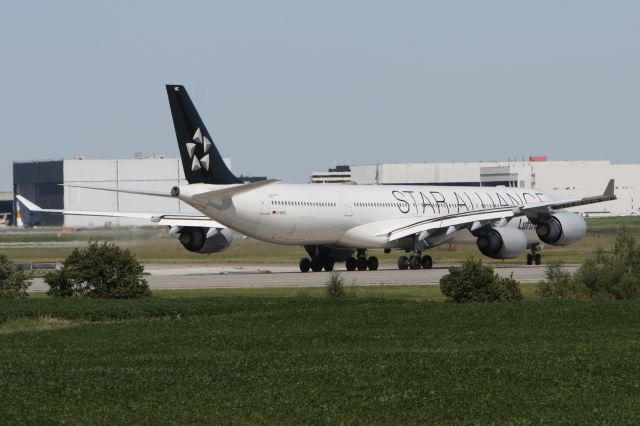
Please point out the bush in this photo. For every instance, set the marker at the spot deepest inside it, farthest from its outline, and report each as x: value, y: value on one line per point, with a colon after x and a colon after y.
x: 475, y: 282
x: 13, y: 280
x: 560, y: 284
x: 101, y: 271
x: 603, y: 275
x: 614, y: 274
x: 335, y: 285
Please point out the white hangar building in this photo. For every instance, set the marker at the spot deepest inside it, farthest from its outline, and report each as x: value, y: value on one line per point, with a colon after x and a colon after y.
x: 40, y: 182
x: 560, y: 179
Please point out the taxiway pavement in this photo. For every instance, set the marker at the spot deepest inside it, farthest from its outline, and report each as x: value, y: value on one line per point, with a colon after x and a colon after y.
x: 165, y: 277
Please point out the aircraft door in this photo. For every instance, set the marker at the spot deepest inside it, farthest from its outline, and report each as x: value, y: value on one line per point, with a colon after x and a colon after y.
x: 348, y: 207
x: 265, y: 204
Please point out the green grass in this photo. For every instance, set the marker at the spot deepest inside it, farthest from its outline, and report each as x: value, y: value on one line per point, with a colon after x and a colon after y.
x: 245, y: 357
x: 168, y: 250
x: 422, y: 293
x: 153, y: 245
x: 611, y: 224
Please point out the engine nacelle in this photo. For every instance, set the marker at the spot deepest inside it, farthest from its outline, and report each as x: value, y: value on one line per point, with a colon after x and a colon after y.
x: 195, y: 239
x: 562, y: 228
x: 502, y: 243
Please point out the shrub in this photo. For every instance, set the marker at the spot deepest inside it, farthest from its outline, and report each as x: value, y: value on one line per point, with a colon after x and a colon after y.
x: 560, y: 284
x: 101, y: 271
x: 335, y: 285
x: 59, y: 284
x: 603, y: 275
x: 13, y: 280
x: 475, y: 282
x: 614, y: 274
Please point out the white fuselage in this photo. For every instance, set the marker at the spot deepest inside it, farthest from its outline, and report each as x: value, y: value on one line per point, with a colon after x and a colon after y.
x: 339, y: 215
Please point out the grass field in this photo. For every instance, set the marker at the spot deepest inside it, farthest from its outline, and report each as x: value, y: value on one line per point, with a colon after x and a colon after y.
x: 278, y: 356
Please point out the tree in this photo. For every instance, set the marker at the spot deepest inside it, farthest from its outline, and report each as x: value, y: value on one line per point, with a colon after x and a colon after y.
x: 475, y: 282
x: 13, y: 280
x: 101, y: 271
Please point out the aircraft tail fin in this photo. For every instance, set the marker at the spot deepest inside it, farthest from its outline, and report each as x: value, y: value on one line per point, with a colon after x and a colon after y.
x: 201, y: 161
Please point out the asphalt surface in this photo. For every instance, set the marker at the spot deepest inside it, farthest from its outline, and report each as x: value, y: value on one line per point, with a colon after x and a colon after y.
x: 271, y: 276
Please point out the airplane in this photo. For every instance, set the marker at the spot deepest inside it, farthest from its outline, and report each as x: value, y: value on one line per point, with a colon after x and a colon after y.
x: 341, y: 223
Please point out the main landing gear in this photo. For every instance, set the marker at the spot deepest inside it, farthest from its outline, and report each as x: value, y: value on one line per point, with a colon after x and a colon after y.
x: 316, y: 264
x: 322, y: 258
x: 362, y: 262
x: 415, y: 262
x: 534, y: 256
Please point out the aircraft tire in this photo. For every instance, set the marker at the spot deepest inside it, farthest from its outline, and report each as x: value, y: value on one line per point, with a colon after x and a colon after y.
x: 529, y: 259
x: 537, y: 259
x: 305, y: 264
x: 316, y: 264
x: 328, y: 264
x: 362, y: 263
x: 403, y: 262
x: 351, y: 263
x: 415, y: 262
x: 372, y: 263
x: 427, y: 262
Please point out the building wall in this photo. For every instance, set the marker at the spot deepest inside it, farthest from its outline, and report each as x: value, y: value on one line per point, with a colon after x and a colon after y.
x: 40, y: 182
x: 417, y: 173
x: 6, y: 207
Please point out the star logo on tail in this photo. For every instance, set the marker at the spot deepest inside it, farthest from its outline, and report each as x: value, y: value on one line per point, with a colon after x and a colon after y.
x: 203, y: 162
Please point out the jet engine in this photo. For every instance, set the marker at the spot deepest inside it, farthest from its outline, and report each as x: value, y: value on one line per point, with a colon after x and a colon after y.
x: 502, y: 243
x: 562, y: 228
x: 205, y: 240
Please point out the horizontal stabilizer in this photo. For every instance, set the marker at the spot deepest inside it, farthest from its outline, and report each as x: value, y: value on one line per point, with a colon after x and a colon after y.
x: 232, y: 190
x: 122, y: 190
x: 160, y: 219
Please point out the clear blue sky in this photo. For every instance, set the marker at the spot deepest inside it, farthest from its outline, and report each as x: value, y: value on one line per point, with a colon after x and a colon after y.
x: 290, y: 87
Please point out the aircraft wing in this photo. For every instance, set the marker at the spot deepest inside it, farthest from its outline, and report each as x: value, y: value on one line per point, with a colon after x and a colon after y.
x: 533, y: 210
x: 160, y: 219
x: 452, y: 222
x: 477, y: 219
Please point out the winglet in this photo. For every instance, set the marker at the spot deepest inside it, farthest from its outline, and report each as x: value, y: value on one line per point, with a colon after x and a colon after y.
x: 28, y: 204
x: 609, y: 190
